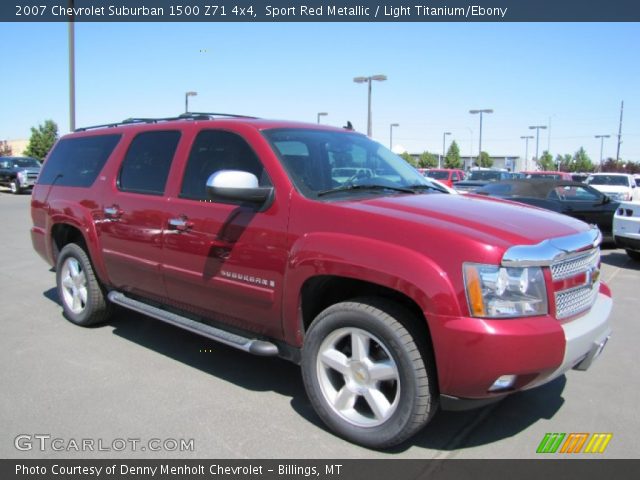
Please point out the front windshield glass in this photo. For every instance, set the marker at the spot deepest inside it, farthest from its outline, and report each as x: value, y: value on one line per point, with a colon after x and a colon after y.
x: 342, y: 163
x: 617, y: 180
x: 25, y: 162
x: 438, y: 174
x: 484, y: 175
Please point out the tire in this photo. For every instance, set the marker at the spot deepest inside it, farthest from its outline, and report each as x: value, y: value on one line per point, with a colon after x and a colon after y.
x: 367, y: 377
x: 15, y: 187
x: 634, y: 255
x: 83, y: 299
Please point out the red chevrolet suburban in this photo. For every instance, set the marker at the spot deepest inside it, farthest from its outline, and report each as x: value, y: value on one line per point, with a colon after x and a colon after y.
x: 394, y: 297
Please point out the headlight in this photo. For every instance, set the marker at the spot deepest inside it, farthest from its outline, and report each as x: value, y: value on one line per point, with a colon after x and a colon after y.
x: 22, y: 175
x: 499, y: 292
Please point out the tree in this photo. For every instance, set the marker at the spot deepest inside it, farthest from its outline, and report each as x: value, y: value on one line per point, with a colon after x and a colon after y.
x: 409, y: 159
x: 566, y: 162
x: 5, y: 149
x: 452, y: 160
x: 582, y: 162
x: 485, y: 160
x: 545, y: 162
x: 42, y: 139
x: 427, y: 160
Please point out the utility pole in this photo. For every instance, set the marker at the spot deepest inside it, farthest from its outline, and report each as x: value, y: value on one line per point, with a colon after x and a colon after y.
x: 619, y: 132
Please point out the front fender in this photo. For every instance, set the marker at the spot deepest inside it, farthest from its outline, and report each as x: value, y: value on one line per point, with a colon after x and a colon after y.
x: 392, y: 266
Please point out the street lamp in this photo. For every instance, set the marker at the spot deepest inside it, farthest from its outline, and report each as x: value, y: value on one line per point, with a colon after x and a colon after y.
x: 379, y: 78
x: 321, y: 114
x: 444, y: 135
x: 537, y: 129
x: 186, y: 100
x: 526, y: 151
x: 473, y: 112
x: 391, y: 134
x: 601, y: 137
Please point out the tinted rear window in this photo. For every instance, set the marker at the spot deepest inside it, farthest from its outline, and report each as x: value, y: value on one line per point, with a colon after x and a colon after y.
x: 76, y: 162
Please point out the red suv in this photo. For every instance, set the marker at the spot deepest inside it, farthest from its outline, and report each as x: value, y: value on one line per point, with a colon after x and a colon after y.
x: 446, y: 175
x: 393, y: 296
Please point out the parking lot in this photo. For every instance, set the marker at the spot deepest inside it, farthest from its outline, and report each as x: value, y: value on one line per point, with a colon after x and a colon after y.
x: 135, y: 378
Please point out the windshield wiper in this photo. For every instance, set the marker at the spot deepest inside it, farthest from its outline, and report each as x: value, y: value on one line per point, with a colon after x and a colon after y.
x: 345, y: 188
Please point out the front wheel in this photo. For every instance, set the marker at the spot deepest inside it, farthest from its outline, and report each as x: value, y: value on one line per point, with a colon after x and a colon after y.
x: 15, y: 187
x: 367, y: 377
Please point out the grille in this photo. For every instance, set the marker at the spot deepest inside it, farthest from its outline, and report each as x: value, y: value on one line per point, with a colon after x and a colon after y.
x: 574, y: 266
x: 576, y: 300
x: 571, y: 302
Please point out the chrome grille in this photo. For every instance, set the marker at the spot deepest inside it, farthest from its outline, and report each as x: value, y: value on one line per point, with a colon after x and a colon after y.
x: 578, y: 299
x: 575, y: 265
x: 571, y: 302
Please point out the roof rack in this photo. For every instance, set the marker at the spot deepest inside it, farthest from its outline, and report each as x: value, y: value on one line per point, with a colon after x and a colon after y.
x: 183, y: 116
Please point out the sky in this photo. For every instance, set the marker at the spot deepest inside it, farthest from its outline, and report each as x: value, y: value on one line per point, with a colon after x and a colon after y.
x: 570, y: 77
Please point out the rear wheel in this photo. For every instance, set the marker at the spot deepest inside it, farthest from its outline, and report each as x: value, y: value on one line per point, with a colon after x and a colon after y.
x: 365, y: 373
x: 83, y: 300
x: 634, y: 255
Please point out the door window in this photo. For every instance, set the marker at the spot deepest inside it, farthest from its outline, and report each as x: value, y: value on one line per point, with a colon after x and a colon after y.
x: 215, y: 150
x: 145, y: 168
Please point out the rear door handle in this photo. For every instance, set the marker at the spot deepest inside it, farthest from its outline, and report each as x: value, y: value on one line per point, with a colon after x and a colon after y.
x: 113, y: 212
x: 180, y: 224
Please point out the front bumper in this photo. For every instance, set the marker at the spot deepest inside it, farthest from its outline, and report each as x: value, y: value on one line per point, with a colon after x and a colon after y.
x: 471, y: 354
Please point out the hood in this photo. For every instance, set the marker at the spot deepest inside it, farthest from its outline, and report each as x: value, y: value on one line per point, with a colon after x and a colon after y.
x: 612, y: 188
x: 490, y: 221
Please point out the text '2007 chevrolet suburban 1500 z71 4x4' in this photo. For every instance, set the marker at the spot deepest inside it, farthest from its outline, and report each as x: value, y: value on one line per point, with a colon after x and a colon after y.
x: 394, y: 297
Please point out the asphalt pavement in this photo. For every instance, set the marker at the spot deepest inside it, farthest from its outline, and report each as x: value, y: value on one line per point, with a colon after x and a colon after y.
x: 137, y: 388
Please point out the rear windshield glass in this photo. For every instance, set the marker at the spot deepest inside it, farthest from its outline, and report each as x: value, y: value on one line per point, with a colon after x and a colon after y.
x: 76, y: 162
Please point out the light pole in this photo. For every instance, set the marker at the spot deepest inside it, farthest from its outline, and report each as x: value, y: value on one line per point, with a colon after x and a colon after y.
x: 321, y: 114
x: 72, y: 69
x: 601, y: 137
x: 526, y: 151
x: 391, y: 134
x: 473, y: 112
x: 444, y: 135
x: 379, y: 78
x: 186, y: 100
x: 537, y: 129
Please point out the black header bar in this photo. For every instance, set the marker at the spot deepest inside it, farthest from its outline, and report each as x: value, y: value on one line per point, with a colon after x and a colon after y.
x: 320, y: 11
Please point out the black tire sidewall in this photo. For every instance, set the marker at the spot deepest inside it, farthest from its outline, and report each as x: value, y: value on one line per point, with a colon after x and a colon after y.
x: 87, y: 316
x: 395, y: 429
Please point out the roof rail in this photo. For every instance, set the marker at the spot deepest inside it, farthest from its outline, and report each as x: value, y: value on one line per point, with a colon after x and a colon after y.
x: 211, y: 115
x: 183, y: 116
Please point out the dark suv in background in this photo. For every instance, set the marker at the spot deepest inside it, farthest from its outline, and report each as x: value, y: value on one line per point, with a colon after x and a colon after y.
x: 19, y: 173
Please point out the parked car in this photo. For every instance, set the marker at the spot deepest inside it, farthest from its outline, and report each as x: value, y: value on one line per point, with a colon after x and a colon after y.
x: 551, y: 175
x: 626, y: 228
x: 393, y: 297
x: 479, y: 178
x: 619, y: 186
x: 567, y: 197
x: 579, y: 177
x: 18, y: 173
x: 446, y: 175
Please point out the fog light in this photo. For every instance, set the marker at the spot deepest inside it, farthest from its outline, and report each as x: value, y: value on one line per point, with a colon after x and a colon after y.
x: 504, y: 382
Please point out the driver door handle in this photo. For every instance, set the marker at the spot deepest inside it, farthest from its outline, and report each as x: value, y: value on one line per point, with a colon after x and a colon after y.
x: 181, y: 224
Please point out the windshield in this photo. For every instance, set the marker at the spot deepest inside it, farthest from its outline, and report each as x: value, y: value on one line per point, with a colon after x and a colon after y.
x: 23, y: 162
x: 320, y: 161
x: 617, y: 180
x: 438, y: 174
x: 485, y: 175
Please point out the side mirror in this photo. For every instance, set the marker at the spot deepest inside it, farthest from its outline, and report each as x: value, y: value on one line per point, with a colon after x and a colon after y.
x: 605, y: 200
x: 237, y: 186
